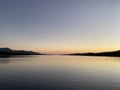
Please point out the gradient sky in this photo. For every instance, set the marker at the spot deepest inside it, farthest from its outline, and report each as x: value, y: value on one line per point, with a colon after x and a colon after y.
x: 60, y: 26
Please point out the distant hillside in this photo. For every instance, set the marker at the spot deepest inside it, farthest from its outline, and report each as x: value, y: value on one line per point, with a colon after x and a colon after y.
x: 8, y: 51
x: 112, y: 53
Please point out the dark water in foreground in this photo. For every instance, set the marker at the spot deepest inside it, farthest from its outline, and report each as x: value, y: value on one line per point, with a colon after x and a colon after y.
x: 60, y: 73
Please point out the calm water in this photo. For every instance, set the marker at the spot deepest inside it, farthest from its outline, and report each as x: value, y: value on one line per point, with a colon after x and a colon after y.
x: 60, y: 73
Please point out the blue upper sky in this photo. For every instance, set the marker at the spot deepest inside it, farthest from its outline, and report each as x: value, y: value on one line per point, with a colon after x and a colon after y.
x: 60, y: 26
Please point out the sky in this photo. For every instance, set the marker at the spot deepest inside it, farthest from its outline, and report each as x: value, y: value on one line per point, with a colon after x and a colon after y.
x: 60, y: 26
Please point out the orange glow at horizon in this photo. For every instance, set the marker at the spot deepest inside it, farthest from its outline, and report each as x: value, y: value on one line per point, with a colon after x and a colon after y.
x: 66, y: 51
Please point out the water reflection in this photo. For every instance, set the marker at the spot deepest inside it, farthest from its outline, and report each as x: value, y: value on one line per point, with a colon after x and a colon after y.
x: 59, y: 73
x: 11, y: 58
x: 15, y: 56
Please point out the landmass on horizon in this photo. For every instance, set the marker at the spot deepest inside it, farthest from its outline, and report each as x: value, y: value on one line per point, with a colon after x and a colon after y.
x: 110, y: 53
x: 8, y: 51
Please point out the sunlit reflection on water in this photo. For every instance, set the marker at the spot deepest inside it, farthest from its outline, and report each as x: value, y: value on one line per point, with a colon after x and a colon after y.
x: 59, y: 73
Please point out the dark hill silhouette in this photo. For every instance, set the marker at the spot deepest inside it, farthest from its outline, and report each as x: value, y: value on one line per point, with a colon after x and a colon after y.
x: 5, y: 49
x: 112, y: 53
x: 8, y: 51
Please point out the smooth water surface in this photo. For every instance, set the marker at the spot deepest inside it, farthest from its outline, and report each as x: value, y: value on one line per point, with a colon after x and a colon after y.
x: 59, y: 73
